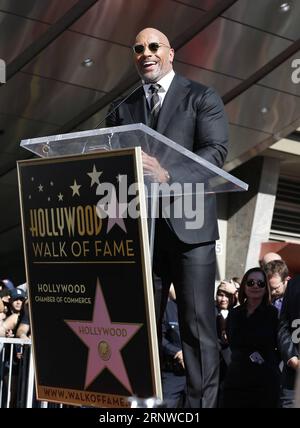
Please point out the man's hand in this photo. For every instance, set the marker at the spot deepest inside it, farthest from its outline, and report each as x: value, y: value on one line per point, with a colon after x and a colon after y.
x: 294, y: 363
x: 179, y: 357
x: 152, y: 166
x: 9, y: 333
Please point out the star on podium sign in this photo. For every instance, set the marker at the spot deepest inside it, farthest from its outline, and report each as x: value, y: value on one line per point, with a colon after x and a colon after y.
x: 105, y: 340
x: 114, y: 211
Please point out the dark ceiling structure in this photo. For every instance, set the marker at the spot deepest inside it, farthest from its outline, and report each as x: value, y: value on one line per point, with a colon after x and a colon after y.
x: 66, y: 60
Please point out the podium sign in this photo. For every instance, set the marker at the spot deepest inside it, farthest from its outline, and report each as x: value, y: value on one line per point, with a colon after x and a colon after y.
x: 101, y: 341
x: 90, y: 294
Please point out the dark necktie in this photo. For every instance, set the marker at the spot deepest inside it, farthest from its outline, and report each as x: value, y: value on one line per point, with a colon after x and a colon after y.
x: 154, y: 105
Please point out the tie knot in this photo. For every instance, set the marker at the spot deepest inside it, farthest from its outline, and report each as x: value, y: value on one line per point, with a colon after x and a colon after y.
x: 155, y: 88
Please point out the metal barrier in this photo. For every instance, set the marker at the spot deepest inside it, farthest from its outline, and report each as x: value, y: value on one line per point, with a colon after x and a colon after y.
x: 16, y: 373
x: 17, y: 376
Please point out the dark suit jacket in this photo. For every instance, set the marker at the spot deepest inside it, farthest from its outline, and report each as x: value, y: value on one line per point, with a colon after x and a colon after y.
x: 171, y: 342
x: 193, y: 116
x: 290, y: 312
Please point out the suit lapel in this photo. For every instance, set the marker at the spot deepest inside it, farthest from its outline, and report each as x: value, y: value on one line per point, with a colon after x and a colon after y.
x: 138, y: 108
x: 177, y: 92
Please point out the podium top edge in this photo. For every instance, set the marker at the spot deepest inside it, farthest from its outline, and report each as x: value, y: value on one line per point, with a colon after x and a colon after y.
x: 89, y: 133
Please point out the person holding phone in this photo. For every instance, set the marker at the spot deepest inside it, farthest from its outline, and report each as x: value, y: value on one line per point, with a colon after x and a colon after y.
x: 252, y: 379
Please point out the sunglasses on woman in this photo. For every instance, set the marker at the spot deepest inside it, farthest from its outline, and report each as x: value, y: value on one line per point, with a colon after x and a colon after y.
x: 153, y: 47
x: 260, y: 283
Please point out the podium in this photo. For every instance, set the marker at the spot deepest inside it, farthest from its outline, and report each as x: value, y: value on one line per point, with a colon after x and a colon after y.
x: 190, y: 174
x: 172, y: 156
x: 88, y: 256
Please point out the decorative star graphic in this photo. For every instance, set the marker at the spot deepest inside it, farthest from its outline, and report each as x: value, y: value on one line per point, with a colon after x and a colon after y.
x: 49, y: 199
x: 114, y: 211
x: 41, y: 188
x: 51, y: 183
x: 60, y: 197
x: 75, y: 188
x: 94, y: 175
x: 29, y: 197
x: 32, y: 178
x: 104, y: 348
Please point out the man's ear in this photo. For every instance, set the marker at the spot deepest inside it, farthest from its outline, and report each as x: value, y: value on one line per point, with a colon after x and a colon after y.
x: 171, y: 55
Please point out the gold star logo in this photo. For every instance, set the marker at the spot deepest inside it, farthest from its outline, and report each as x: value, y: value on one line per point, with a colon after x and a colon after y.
x: 94, y: 175
x: 75, y: 188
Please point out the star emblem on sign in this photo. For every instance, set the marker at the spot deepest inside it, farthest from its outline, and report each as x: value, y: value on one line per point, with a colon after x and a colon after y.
x: 94, y: 175
x: 75, y: 188
x: 105, y: 339
x: 114, y: 211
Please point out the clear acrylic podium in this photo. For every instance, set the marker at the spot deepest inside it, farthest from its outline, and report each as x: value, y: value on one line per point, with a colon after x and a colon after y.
x: 183, y: 165
x: 77, y: 330
x: 189, y: 173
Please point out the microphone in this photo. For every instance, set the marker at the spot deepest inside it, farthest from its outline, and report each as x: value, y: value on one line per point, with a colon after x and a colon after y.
x: 118, y: 105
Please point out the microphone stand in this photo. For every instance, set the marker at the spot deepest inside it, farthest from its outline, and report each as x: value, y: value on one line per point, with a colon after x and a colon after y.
x: 118, y: 105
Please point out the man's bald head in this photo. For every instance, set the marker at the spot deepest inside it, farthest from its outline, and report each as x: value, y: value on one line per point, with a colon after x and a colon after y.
x: 269, y: 257
x: 153, y: 64
x: 149, y: 32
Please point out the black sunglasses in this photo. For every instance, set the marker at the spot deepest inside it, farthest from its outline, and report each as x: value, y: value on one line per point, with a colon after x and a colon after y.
x: 153, y: 47
x: 260, y: 283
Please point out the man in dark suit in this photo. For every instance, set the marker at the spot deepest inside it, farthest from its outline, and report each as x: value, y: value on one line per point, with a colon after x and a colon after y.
x: 193, y: 116
x: 288, y: 341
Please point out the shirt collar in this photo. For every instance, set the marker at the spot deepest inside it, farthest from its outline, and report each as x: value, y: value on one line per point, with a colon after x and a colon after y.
x: 164, y: 82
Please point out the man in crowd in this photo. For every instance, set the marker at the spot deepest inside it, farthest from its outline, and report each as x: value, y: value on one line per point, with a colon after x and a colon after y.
x: 289, y: 339
x: 278, y: 275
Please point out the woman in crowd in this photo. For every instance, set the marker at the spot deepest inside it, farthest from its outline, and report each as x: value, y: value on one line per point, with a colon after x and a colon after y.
x: 252, y: 379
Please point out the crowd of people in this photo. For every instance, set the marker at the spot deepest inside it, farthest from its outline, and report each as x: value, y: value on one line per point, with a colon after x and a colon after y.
x: 256, y: 323
x: 14, y: 319
x: 258, y: 347
x: 14, y: 323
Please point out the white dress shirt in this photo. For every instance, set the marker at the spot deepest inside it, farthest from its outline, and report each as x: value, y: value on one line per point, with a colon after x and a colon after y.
x: 165, y: 83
